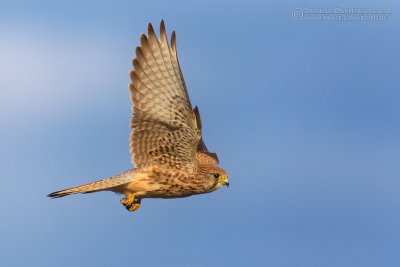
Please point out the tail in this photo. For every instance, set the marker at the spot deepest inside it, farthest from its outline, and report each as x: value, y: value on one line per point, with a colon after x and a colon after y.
x: 105, y: 184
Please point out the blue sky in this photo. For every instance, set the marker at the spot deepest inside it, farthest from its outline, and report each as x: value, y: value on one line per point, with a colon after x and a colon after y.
x: 304, y: 116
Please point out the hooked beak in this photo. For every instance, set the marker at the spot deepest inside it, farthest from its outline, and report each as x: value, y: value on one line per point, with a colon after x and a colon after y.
x: 226, y: 182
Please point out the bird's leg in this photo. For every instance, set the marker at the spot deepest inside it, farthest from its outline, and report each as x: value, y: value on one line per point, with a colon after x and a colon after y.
x: 130, y: 202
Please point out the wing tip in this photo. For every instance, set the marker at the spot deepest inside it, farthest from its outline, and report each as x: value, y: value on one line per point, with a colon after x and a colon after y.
x: 150, y: 30
x: 138, y: 52
x: 163, y: 33
x: 173, y: 41
x: 143, y: 39
x: 198, y: 118
x: 133, y: 75
x: 162, y: 25
x: 135, y: 64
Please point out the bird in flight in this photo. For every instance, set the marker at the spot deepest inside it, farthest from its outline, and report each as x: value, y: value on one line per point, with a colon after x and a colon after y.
x: 170, y: 157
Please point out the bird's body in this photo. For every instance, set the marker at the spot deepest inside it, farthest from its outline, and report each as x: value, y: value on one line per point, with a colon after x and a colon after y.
x: 166, y: 142
x: 158, y: 182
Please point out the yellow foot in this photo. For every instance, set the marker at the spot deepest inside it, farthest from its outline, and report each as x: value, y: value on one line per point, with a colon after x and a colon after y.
x: 134, y: 206
x: 130, y: 202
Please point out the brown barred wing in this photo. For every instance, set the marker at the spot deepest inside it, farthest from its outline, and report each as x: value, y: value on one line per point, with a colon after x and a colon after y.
x: 203, y: 155
x: 164, y: 125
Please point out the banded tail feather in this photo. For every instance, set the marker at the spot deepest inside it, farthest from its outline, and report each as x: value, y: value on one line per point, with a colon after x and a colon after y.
x: 104, y: 184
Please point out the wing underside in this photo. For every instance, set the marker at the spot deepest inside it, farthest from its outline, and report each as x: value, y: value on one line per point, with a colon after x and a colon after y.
x: 164, y: 128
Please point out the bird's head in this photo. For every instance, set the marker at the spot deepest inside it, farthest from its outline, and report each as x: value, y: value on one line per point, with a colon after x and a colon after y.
x: 217, y: 176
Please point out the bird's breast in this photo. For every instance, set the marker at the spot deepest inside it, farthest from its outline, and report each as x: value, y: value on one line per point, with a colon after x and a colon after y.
x: 167, y: 184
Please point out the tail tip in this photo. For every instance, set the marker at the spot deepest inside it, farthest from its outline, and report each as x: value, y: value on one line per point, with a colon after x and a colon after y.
x: 56, y: 194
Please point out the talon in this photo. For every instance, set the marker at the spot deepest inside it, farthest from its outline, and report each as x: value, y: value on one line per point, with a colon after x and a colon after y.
x: 133, y: 206
x: 130, y: 202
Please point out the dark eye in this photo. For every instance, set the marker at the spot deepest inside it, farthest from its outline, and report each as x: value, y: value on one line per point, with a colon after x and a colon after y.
x: 216, y: 175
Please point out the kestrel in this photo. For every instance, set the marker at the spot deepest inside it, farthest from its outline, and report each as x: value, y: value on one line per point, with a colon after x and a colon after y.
x: 170, y: 156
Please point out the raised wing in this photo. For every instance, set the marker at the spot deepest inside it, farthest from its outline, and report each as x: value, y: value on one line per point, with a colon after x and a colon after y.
x: 201, y: 147
x: 164, y: 126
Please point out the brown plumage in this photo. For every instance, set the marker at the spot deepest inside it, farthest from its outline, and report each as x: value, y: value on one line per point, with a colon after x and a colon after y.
x: 166, y: 144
